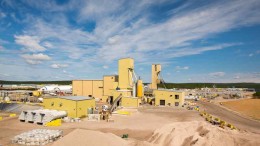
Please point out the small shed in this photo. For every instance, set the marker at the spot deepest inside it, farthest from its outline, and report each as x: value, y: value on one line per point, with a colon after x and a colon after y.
x: 75, y: 106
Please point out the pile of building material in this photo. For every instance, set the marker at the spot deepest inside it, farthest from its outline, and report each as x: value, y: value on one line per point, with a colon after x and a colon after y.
x: 41, y: 116
x: 200, y: 133
x: 81, y: 137
x: 37, y: 137
x: 71, y: 120
x: 94, y: 117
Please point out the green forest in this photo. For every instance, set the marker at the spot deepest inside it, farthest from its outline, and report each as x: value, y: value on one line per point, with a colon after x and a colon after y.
x: 211, y: 85
x: 168, y: 85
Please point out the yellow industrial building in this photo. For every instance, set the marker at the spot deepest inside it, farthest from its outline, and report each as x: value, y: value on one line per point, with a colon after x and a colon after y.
x: 125, y: 86
x: 169, y: 98
x: 164, y: 97
x: 89, y: 88
x: 125, y: 89
x: 75, y: 106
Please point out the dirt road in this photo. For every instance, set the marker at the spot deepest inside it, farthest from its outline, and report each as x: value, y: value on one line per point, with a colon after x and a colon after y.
x: 231, y: 117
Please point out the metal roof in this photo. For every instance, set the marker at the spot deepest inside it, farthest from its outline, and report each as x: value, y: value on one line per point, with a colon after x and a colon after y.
x: 75, y: 98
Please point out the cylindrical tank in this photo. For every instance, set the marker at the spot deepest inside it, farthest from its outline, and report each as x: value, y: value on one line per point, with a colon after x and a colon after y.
x: 140, y: 89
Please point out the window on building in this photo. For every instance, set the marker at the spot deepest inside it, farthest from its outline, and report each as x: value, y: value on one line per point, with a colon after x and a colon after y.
x: 176, y: 96
x: 176, y: 103
x: 162, y: 102
x: 170, y: 95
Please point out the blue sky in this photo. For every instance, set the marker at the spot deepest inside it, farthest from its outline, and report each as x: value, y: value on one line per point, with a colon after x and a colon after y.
x: 195, y: 41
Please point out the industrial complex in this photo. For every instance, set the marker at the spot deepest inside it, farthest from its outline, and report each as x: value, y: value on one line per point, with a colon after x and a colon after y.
x: 125, y: 89
x: 123, y: 105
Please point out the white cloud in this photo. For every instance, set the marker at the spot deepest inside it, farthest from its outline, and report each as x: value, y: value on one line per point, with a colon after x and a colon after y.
x: 105, y: 67
x: 177, y: 68
x: 47, y: 45
x: 236, y: 77
x: 3, y: 74
x: 246, y: 77
x: 31, y: 43
x: 2, y: 15
x: 250, y: 55
x: 2, y: 48
x: 97, y: 9
x: 35, y: 58
x: 217, y: 74
x: 59, y: 65
x: 114, y: 39
x: 127, y: 30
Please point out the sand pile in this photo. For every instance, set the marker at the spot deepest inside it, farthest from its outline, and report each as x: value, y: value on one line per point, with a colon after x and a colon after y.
x: 176, y: 134
x: 80, y: 137
x: 200, y: 134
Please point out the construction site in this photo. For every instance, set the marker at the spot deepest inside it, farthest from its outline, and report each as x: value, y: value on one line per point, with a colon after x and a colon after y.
x: 122, y: 110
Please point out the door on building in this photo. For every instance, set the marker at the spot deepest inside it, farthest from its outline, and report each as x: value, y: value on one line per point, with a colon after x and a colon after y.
x: 111, y: 100
x: 162, y: 102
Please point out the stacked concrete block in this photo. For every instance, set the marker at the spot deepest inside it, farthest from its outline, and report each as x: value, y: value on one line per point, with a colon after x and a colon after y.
x: 41, y: 116
x: 37, y: 137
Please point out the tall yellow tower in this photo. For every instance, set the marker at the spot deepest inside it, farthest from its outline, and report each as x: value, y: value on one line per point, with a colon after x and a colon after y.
x: 125, y: 73
x: 156, y: 69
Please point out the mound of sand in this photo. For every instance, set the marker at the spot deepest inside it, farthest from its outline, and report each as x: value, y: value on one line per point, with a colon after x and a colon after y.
x: 200, y: 133
x: 178, y: 134
x: 80, y: 137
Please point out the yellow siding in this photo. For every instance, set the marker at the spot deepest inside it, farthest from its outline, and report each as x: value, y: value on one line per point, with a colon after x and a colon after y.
x: 77, y: 88
x: 168, y: 97
x: 97, y: 88
x: 123, y: 93
x: 130, y: 102
x: 87, y: 88
x: 108, y: 85
x: 82, y: 107
x: 115, y: 85
x: 73, y: 108
x: 125, y: 76
x: 156, y: 69
x: 67, y: 105
x: 104, y: 98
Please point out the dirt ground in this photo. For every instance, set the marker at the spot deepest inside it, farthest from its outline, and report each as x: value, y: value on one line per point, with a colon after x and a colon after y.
x: 139, y: 125
x: 146, y: 125
x: 247, y: 107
